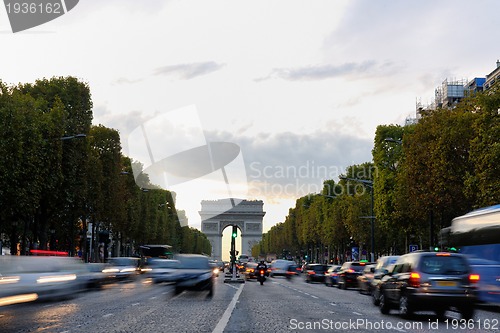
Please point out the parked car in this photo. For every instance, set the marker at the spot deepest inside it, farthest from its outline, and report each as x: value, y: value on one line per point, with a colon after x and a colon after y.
x: 331, y: 275
x: 382, y: 266
x: 163, y: 270
x: 194, y: 273
x: 348, y: 274
x: 315, y: 273
x: 365, y: 279
x: 434, y: 281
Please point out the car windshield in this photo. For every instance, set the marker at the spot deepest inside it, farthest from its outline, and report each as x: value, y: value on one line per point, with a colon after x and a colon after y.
x: 124, y: 261
x: 448, y: 265
x: 165, y: 264
x: 194, y: 263
x: 319, y: 268
x: 357, y: 267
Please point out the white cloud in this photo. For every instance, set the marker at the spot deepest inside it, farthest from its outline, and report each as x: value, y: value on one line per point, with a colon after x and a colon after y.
x: 189, y: 71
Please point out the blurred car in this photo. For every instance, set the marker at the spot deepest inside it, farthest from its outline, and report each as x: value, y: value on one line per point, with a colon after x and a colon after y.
x: 365, y: 279
x: 123, y: 268
x: 348, y: 274
x: 221, y: 265
x: 315, y: 273
x: 382, y: 266
x: 331, y: 275
x: 293, y: 270
x: 215, y: 267
x: 434, y: 281
x: 251, y: 270
x: 163, y: 270
x: 194, y: 273
x: 30, y: 278
x: 279, y: 267
x: 93, y: 275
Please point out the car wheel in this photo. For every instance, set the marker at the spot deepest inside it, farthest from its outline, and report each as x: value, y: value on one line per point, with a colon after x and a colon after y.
x: 178, y: 290
x: 467, y: 313
x: 375, y: 297
x: 405, y: 310
x: 384, y: 306
x: 211, y: 290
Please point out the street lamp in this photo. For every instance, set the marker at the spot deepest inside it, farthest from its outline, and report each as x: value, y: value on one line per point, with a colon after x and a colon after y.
x: 399, y: 142
x: 368, y: 184
x: 76, y: 136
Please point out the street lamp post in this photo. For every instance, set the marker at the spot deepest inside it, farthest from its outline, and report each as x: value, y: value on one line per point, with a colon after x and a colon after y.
x: 368, y: 184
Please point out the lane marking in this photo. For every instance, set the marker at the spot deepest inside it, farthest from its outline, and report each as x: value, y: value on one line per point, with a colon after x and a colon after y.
x: 230, y: 285
x: 152, y: 297
x: 107, y: 315
x: 333, y: 304
x: 135, y: 304
x: 221, y: 325
x: 313, y: 296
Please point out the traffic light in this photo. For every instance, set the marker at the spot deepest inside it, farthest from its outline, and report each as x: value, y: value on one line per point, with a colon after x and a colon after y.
x: 234, y: 234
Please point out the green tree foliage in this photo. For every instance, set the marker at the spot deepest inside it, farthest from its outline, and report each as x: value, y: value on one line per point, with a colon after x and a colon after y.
x: 483, y: 183
x: 60, y: 172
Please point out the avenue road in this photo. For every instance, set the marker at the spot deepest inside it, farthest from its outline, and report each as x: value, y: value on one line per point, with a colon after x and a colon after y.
x: 279, y: 305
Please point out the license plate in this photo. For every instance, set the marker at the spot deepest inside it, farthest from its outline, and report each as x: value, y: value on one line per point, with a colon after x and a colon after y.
x: 446, y: 283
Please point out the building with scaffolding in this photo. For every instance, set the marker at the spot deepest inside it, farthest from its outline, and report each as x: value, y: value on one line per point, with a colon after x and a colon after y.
x: 493, y: 77
x: 450, y: 93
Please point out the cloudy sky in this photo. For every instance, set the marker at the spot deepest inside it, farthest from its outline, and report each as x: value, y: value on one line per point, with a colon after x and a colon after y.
x: 299, y: 86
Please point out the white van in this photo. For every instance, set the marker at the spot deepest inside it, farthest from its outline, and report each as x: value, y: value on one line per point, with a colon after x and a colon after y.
x: 279, y: 267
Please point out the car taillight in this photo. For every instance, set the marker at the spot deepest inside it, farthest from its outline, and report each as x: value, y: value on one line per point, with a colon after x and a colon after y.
x: 262, y: 272
x: 414, y: 280
x: 474, y: 278
x: 310, y: 272
x: 350, y: 270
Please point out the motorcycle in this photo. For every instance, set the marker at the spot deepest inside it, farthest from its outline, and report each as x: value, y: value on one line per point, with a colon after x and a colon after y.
x: 262, y: 276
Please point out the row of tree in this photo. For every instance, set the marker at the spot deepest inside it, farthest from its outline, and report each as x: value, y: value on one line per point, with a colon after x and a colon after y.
x: 59, y: 173
x: 422, y: 176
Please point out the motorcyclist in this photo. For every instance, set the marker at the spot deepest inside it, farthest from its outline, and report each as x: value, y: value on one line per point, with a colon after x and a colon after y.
x: 262, y: 265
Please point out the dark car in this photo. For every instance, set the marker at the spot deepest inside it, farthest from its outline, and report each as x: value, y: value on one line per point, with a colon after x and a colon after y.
x: 123, y: 268
x: 433, y: 281
x: 331, y: 275
x: 293, y: 270
x: 365, y: 279
x: 348, y: 274
x: 194, y: 273
x: 315, y: 272
x: 383, y: 265
x: 163, y: 270
x: 251, y: 270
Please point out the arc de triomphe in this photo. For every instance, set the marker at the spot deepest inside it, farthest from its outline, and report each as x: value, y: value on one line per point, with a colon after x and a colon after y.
x: 247, y: 215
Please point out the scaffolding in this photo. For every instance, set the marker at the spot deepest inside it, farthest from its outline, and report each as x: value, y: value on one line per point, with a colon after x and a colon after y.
x: 450, y: 93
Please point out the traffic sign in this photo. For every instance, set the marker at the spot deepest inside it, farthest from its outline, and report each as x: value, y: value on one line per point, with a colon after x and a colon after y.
x: 413, y: 248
